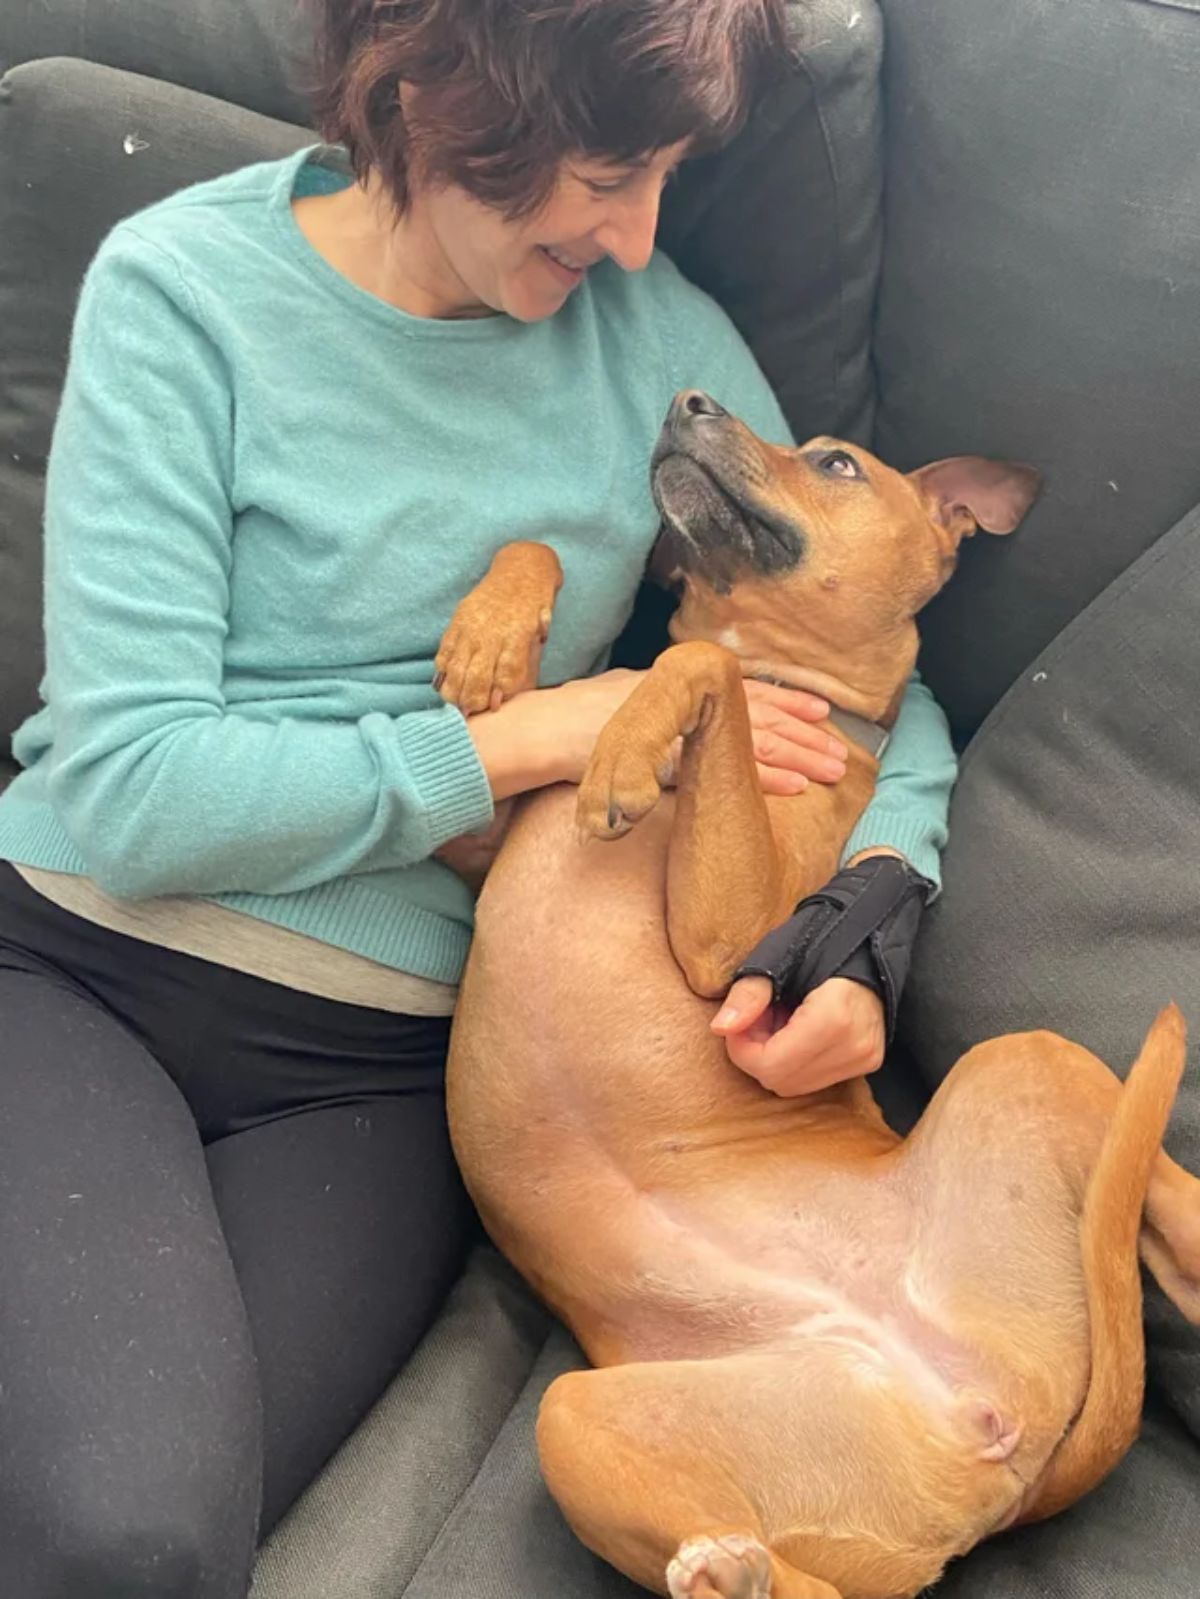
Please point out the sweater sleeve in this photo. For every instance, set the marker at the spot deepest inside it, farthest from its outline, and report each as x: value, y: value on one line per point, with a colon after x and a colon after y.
x: 162, y: 786
x: 910, y: 808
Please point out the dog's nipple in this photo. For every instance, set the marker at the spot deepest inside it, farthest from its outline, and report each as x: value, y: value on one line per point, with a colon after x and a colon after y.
x: 998, y: 1435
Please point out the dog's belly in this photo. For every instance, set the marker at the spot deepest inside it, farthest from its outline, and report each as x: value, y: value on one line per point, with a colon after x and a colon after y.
x: 573, y: 1008
x: 667, y: 1208
x: 589, y: 1100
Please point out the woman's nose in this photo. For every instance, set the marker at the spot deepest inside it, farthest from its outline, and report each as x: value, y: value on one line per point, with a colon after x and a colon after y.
x: 627, y: 234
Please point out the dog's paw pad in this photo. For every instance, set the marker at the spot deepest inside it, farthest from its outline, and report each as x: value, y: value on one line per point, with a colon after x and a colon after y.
x: 615, y: 795
x: 730, y: 1567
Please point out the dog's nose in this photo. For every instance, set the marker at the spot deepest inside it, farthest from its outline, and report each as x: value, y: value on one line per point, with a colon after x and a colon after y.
x: 695, y: 403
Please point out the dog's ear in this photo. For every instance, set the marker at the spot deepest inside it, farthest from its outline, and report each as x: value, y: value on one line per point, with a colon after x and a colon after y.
x: 966, y: 492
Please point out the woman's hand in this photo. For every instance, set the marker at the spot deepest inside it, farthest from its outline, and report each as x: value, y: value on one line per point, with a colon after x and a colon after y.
x: 838, y: 1032
x: 547, y: 735
x: 581, y: 709
x: 790, y: 751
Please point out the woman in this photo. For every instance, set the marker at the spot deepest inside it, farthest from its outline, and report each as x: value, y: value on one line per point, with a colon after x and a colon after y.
x: 305, y: 405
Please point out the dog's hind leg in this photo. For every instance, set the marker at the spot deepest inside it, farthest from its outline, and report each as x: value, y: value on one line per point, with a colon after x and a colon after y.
x: 624, y: 1454
x: 737, y: 1567
x: 763, y: 1475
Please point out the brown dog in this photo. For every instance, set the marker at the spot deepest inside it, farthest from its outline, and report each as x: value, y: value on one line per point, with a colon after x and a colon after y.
x: 832, y: 1360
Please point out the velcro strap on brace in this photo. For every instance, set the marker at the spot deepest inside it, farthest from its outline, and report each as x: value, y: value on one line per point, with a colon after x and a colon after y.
x: 861, y: 926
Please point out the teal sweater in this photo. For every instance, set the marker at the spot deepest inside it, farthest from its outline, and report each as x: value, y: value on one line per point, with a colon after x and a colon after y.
x: 267, y: 492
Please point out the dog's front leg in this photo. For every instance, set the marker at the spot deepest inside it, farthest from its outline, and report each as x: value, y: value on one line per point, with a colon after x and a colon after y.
x: 493, y: 645
x: 726, y: 885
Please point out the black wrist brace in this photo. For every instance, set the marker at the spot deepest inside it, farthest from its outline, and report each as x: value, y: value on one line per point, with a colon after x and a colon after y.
x: 862, y: 926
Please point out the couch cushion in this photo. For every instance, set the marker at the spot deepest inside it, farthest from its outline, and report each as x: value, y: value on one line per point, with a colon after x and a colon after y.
x: 457, y: 1498
x: 1040, y: 296
x: 1071, y: 885
x: 252, y: 52
x: 80, y: 147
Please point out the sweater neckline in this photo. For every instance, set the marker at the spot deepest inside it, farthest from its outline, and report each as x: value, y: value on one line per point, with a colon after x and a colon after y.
x: 324, y: 169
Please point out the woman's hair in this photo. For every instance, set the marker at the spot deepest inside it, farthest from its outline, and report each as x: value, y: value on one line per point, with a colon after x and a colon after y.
x: 497, y: 92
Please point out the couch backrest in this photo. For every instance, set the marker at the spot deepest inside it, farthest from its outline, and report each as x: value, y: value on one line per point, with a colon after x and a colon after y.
x: 1041, y: 296
x: 251, y: 53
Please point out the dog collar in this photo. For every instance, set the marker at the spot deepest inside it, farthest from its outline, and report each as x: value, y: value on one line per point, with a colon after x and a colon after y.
x: 868, y: 735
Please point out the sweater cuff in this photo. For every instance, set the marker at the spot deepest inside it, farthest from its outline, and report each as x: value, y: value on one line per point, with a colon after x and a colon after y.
x: 912, y: 837
x: 451, y: 785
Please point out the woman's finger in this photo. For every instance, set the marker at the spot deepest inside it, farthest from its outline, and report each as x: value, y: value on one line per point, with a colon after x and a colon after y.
x: 746, y: 1054
x: 794, y: 731
x: 787, y: 1073
x: 796, y: 701
x: 808, y: 1033
x: 778, y: 781
x: 746, y: 1002
x: 783, y: 755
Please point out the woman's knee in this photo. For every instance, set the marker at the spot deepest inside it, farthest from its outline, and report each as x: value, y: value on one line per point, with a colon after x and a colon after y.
x: 175, y: 1530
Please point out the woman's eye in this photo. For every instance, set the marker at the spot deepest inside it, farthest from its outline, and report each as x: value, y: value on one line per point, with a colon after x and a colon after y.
x: 606, y: 185
x: 839, y: 463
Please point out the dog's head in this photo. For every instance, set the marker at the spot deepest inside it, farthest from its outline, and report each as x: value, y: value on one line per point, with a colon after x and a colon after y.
x: 825, y: 534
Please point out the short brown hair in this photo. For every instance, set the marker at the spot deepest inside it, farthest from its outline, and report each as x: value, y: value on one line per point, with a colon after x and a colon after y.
x: 502, y: 90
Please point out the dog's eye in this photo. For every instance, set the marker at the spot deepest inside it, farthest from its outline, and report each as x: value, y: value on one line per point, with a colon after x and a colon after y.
x: 839, y: 463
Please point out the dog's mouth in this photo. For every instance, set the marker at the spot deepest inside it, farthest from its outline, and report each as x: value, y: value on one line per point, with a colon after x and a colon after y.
x: 711, y: 532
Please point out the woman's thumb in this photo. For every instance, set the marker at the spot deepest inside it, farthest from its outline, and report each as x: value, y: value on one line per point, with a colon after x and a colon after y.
x: 744, y: 1004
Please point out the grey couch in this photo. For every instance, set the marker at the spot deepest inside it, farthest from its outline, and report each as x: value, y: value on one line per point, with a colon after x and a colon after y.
x: 958, y: 225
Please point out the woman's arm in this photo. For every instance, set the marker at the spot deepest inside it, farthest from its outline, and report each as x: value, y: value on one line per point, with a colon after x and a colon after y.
x: 162, y: 786
x: 909, y: 811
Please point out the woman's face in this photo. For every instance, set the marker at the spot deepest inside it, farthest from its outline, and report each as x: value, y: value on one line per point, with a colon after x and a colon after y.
x: 527, y: 268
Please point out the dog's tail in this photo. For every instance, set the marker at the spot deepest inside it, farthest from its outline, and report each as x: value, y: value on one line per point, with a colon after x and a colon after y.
x: 1111, y: 1414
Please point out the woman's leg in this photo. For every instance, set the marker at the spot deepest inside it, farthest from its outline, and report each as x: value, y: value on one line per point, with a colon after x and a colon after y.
x: 129, y: 1424
x: 327, y: 1151
x: 346, y: 1227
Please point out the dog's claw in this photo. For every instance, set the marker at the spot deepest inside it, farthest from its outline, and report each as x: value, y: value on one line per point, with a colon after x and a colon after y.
x: 609, y: 815
x: 588, y: 825
x: 622, y: 783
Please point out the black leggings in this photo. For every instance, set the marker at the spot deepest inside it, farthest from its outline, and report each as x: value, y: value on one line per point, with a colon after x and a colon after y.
x: 227, y: 1213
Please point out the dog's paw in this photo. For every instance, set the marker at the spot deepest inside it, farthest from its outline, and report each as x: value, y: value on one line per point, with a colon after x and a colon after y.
x: 623, y: 783
x: 493, y: 646
x: 734, y: 1566
x: 490, y: 652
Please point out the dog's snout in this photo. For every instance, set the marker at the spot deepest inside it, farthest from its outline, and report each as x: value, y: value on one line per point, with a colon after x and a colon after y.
x: 693, y: 404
